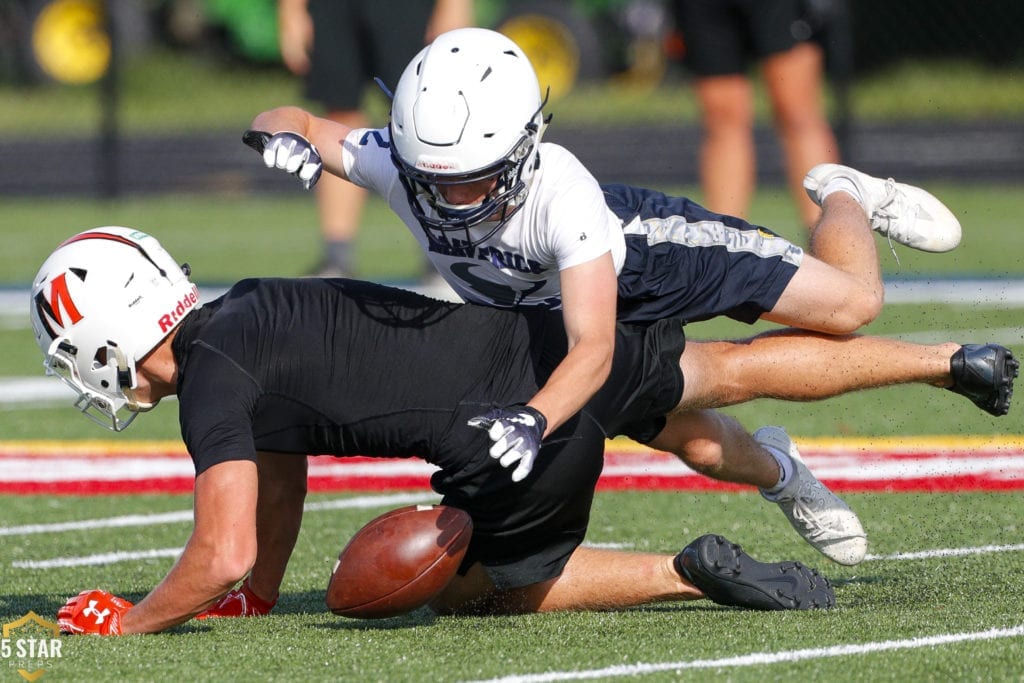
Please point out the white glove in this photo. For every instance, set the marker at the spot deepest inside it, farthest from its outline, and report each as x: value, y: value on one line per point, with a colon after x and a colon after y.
x: 517, y: 432
x: 289, y: 152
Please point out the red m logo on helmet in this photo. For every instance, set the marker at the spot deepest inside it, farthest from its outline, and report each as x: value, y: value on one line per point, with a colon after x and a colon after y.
x: 59, y: 300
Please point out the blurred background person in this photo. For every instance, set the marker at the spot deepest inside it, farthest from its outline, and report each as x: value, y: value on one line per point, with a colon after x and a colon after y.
x: 724, y: 40
x: 339, y: 47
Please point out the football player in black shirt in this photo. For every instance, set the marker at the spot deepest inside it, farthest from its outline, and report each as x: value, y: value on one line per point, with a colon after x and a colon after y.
x: 277, y: 369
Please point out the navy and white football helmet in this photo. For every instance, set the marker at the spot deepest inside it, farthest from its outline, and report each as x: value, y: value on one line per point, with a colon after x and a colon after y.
x: 467, y: 108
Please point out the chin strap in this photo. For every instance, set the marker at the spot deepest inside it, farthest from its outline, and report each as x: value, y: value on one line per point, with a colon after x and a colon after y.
x: 126, y: 381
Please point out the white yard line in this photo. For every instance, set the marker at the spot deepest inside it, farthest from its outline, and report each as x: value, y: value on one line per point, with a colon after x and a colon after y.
x: 762, y: 658
x: 948, y: 552
x: 96, y: 560
x: 360, y: 502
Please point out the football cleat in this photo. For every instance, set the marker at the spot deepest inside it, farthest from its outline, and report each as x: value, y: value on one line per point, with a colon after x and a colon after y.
x: 728, y: 576
x: 819, y: 515
x: 904, y: 213
x: 985, y: 374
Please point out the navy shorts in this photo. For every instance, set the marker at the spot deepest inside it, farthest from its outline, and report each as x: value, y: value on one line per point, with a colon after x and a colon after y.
x: 355, y: 41
x: 683, y: 261
x: 725, y: 36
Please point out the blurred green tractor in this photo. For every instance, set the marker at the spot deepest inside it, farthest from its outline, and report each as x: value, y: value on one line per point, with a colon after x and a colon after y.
x: 569, y: 41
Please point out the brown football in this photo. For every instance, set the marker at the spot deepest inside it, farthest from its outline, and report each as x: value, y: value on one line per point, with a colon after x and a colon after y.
x: 399, y: 561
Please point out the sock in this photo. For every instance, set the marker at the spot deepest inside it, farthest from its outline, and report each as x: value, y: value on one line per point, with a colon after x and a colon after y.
x: 786, y: 471
x: 842, y: 184
x: 340, y: 254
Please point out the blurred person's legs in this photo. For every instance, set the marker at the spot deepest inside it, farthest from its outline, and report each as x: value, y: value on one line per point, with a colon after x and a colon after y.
x: 723, y: 39
x: 794, y: 80
x: 353, y: 43
x: 340, y: 206
x: 728, y: 165
x: 717, y: 56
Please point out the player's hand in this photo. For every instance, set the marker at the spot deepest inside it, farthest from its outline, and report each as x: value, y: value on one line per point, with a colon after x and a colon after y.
x: 241, y: 602
x: 93, y: 612
x: 289, y: 152
x: 517, y: 432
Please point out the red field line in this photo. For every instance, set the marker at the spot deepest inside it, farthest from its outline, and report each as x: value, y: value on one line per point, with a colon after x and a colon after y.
x: 937, y: 464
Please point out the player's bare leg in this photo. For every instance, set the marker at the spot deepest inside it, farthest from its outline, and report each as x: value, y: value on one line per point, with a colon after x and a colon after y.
x: 838, y: 287
x: 602, y: 580
x: 593, y: 579
x: 717, y: 446
x: 795, y: 365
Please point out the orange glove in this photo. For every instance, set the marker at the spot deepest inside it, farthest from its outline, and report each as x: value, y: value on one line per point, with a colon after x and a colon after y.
x: 93, y: 612
x: 241, y: 602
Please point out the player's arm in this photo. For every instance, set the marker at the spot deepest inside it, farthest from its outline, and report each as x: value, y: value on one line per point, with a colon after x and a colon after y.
x: 588, y: 302
x: 218, y: 555
x: 319, y: 141
x: 589, y: 297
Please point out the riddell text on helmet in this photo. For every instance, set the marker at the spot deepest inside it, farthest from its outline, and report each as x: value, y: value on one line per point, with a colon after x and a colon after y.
x: 170, y: 319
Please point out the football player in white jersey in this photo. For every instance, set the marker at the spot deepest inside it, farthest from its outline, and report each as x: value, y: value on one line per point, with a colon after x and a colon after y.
x: 511, y: 221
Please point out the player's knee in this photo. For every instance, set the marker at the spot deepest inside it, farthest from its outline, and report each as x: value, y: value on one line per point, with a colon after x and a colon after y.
x: 860, y: 311
x: 702, y: 455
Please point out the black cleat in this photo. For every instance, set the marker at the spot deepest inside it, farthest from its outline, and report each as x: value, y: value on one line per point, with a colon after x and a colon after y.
x: 985, y: 375
x: 728, y: 576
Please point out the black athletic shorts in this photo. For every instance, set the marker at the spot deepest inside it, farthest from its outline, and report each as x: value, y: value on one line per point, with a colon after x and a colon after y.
x: 355, y: 41
x: 525, y: 532
x: 683, y: 261
x: 723, y: 37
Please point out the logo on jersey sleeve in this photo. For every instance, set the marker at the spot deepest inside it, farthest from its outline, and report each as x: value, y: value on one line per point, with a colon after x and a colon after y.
x: 376, y: 137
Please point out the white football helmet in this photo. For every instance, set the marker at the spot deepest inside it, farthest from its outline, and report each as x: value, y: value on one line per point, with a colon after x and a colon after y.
x: 101, y: 301
x: 467, y: 108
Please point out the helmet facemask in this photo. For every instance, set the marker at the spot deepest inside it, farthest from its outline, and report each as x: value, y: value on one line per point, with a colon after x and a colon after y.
x: 117, y: 406
x: 512, y: 174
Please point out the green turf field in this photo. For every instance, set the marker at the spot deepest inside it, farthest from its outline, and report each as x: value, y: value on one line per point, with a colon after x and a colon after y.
x: 884, y: 600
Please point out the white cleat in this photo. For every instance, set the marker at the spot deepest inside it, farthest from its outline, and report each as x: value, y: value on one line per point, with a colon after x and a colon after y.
x: 819, y: 515
x: 904, y: 213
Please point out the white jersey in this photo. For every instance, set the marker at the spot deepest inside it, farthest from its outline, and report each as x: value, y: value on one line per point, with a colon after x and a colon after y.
x: 564, y: 222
